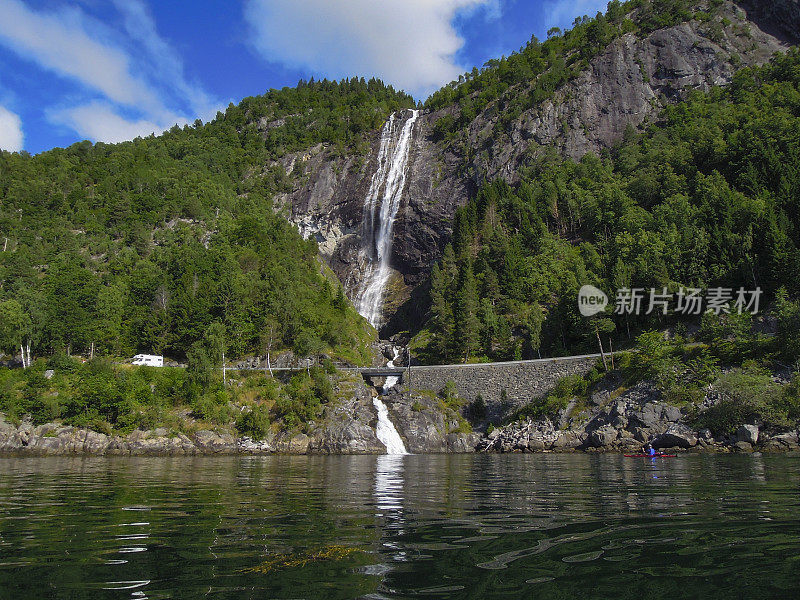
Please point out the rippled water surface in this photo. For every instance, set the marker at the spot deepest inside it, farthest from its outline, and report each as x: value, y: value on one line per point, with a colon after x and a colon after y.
x: 518, y: 526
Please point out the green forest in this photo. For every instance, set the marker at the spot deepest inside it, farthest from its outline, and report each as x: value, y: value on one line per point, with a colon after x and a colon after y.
x: 705, y: 197
x: 158, y: 244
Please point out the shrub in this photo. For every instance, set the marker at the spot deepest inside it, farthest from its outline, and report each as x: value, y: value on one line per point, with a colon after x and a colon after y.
x: 213, y: 407
x: 654, y: 350
x: 449, y: 396
x: 328, y: 365
x: 199, y: 368
x: 748, y: 395
x: 548, y: 406
x: 476, y: 410
x: 45, y: 408
x: 322, y: 386
x: 63, y: 363
x: 300, y: 402
x: 254, y: 422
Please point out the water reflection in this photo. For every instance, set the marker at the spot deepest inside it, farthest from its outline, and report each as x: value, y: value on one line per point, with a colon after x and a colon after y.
x: 389, y: 485
x: 454, y: 526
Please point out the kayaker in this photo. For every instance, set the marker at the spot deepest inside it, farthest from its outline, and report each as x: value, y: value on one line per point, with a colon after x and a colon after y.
x: 650, y: 450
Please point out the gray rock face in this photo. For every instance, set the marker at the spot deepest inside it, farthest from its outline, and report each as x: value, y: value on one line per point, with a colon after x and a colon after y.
x: 627, y: 84
x: 782, y: 441
x: 747, y: 433
x: 603, y: 436
x: 677, y: 435
x: 425, y: 428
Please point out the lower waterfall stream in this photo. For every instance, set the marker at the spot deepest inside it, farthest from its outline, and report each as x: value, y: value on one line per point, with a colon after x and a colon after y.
x: 385, y: 430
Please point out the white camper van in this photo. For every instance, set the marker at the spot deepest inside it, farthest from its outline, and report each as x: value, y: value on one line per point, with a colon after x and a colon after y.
x: 148, y: 360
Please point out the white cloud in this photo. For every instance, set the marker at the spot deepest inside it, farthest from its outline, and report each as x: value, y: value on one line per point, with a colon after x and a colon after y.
x: 563, y: 13
x: 58, y: 42
x: 135, y: 71
x: 10, y: 131
x: 99, y: 121
x: 164, y: 59
x: 408, y: 43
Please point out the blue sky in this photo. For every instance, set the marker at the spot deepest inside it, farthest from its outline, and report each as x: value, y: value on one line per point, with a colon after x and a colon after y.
x: 109, y: 70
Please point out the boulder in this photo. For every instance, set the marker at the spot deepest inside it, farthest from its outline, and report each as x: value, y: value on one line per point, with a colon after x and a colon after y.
x: 642, y: 434
x: 211, y: 441
x: 299, y: 444
x: 677, y: 435
x: 647, y: 416
x: 789, y: 440
x: 670, y: 413
x: 619, y: 421
x: 747, y: 433
x: 567, y: 439
x: 463, y: 442
x: 603, y: 436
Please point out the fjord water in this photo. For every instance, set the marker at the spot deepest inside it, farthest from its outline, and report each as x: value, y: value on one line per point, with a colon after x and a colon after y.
x: 430, y: 526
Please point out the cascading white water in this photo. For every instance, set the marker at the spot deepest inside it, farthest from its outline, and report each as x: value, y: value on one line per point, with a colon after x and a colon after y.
x: 386, y: 431
x: 391, y: 381
x: 383, y: 202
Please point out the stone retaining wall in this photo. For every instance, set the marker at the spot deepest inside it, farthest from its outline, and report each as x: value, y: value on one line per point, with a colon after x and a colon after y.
x: 522, y: 381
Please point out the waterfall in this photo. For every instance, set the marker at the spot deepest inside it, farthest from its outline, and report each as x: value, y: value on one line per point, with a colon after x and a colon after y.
x: 392, y: 380
x: 380, y: 208
x: 386, y: 431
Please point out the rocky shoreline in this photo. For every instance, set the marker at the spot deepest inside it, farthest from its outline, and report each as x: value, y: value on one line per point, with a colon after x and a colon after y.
x: 53, y: 439
x: 629, y: 422
x: 348, y: 427
x: 625, y: 423
x: 609, y: 433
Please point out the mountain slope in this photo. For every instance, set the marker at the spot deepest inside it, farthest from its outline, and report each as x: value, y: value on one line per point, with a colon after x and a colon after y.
x: 152, y: 245
x: 177, y: 232
x: 650, y: 55
x: 705, y: 198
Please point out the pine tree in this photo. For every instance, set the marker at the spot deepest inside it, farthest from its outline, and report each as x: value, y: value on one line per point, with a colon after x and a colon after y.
x: 442, y: 311
x: 467, y: 334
